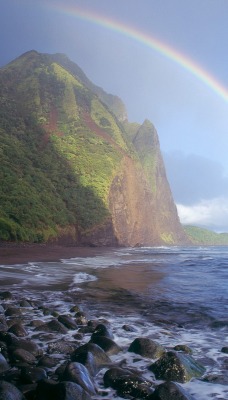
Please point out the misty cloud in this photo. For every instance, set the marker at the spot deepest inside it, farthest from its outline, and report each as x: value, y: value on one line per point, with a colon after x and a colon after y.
x: 209, y: 213
x: 194, y: 179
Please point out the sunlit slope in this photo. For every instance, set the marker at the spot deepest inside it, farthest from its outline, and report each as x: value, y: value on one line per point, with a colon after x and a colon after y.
x: 62, y: 154
x: 202, y: 236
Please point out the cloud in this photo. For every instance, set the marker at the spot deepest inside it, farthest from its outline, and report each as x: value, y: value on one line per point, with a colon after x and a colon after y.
x: 194, y: 178
x: 211, y: 213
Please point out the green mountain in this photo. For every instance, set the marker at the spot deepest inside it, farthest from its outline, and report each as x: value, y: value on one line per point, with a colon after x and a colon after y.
x: 199, y: 236
x: 73, y: 169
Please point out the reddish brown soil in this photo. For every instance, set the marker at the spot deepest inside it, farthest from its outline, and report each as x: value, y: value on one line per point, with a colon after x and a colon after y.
x: 100, y: 132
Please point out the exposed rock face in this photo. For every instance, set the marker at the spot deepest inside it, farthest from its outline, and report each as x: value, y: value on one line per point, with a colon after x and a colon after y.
x: 141, y: 201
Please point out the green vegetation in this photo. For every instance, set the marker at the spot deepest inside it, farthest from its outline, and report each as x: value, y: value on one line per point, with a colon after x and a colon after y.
x: 146, y: 138
x: 61, y: 148
x: 55, y: 172
x: 200, y: 236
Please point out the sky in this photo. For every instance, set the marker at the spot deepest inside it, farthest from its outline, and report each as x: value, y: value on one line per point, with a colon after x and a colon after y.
x: 167, y: 60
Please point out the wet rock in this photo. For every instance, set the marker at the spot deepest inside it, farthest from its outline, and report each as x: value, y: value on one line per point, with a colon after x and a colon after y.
x: 4, y: 349
x: 47, y: 362
x: 219, y: 324
x: 36, y: 322
x: 8, y: 338
x: 2, y: 310
x: 47, y: 389
x: 224, y: 349
x: 170, y: 391
x: 3, y: 324
x: 183, y: 347
x: 86, y: 358
x: 6, y: 295
x: 146, y: 348
x: 12, y: 311
x: 27, y: 345
x: 25, y: 303
x: 81, y: 320
x: 101, y: 358
x: 128, y: 328
x: 108, y: 345
x: 45, y: 310
x: 102, y: 330
x: 61, y: 347
x: 4, y: 366
x: 112, y: 375
x: 75, y: 309
x: 9, y: 392
x: 32, y: 374
x: 68, y: 322
x: 18, y: 330
x: 21, y: 355
x: 52, y: 326
x: 71, y: 391
x: 78, y: 373
x: 179, y: 367
x: 78, y: 336
x: 85, y: 329
x: 127, y: 383
x: 50, y: 390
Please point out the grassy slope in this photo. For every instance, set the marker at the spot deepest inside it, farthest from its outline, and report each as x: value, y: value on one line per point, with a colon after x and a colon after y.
x: 55, y: 171
x: 204, y: 236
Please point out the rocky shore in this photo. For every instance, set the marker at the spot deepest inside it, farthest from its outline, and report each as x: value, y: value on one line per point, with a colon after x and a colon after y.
x: 47, y: 354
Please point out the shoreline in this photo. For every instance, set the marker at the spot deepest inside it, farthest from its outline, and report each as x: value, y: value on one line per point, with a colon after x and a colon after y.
x: 14, y: 253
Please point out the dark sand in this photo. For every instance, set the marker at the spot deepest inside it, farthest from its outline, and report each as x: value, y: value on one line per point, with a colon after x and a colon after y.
x: 23, y: 253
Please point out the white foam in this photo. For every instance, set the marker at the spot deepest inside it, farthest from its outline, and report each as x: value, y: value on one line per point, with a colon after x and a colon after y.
x: 81, y: 277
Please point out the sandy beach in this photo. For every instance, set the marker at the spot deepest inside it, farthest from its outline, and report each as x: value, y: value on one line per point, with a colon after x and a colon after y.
x: 12, y: 253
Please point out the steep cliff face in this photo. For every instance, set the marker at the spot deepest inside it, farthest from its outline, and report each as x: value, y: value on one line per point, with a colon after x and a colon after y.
x: 74, y: 170
x: 166, y: 220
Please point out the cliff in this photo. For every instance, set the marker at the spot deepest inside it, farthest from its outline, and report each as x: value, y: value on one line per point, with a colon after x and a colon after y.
x: 73, y: 168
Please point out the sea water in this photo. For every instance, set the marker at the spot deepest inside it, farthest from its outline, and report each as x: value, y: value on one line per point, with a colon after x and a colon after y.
x: 174, y: 295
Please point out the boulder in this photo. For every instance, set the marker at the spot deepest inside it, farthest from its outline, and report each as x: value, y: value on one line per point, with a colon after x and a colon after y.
x: 146, y: 347
x: 224, y: 349
x: 50, y: 390
x: 32, y: 374
x: 183, y: 347
x: 12, y: 311
x: 3, y: 324
x: 78, y: 373
x: 102, y: 330
x: 100, y: 357
x: 4, y: 366
x: 25, y: 344
x: 52, y: 326
x: 61, y: 347
x: 179, y: 367
x: 68, y: 322
x: 170, y: 391
x: 24, y: 356
x: 87, y: 358
x: 71, y: 391
x: 47, y: 362
x: 108, y: 345
x: 127, y: 383
x: 18, y: 330
x: 9, y: 392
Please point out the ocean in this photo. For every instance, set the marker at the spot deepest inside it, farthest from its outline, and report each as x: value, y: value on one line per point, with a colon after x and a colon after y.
x: 174, y: 295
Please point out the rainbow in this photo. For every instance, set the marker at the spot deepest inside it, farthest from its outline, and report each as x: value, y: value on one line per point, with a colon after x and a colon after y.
x: 145, y: 39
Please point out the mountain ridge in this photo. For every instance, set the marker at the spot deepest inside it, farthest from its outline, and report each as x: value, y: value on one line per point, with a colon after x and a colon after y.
x: 73, y: 169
